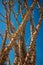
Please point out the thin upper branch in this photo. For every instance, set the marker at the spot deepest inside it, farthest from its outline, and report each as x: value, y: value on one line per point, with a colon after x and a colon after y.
x: 4, y: 41
x: 32, y: 46
x: 25, y: 3
x: 15, y: 35
x: 31, y: 26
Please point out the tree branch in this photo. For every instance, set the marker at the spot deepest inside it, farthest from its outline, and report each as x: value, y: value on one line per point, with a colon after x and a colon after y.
x: 15, y: 35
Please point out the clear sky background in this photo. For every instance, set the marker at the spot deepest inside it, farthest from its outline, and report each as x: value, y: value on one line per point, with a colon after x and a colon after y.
x: 39, y: 40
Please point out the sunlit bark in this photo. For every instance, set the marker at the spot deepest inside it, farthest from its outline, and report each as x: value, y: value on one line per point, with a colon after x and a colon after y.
x: 16, y: 37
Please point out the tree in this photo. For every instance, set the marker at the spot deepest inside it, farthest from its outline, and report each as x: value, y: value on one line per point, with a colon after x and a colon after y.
x: 16, y: 36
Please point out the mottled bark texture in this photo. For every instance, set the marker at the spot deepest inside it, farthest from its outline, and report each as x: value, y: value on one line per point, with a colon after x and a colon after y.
x: 16, y: 36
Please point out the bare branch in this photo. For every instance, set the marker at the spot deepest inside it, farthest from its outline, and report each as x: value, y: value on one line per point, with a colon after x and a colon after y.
x: 4, y: 41
x: 20, y: 29
x: 16, y: 37
x: 37, y: 28
x: 31, y: 26
x: 22, y: 49
x: 26, y: 5
x: 8, y: 61
x: 31, y: 56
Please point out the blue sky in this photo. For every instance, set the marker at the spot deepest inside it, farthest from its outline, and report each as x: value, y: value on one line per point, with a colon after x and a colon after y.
x: 39, y: 40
